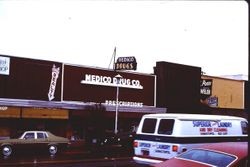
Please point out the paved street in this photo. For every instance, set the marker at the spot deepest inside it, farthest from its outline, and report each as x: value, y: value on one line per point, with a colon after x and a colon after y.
x: 70, y: 158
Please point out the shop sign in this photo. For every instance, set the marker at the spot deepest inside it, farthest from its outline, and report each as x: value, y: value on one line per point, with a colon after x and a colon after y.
x: 98, y: 85
x: 212, y: 101
x: 54, y: 77
x: 4, y: 65
x: 206, y: 88
x: 126, y: 63
x: 111, y: 81
x: 3, y: 108
x: 123, y: 103
x: 44, y: 113
x: 9, y: 112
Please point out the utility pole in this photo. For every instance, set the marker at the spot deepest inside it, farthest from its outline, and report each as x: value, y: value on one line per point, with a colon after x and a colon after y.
x: 118, y: 78
x: 113, y: 59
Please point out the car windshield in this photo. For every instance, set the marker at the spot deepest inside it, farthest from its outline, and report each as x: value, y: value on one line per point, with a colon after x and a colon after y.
x: 208, y: 157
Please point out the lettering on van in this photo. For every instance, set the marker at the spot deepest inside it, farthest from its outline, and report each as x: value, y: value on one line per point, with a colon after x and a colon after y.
x: 162, y: 148
x: 147, y: 145
x: 162, y: 151
x: 211, y: 124
x: 212, y: 127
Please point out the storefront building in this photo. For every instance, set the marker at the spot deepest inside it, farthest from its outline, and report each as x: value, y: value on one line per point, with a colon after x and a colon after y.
x: 225, y: 96
x: 184, y: 89
x: 223, y: 92
x: 67, y: 99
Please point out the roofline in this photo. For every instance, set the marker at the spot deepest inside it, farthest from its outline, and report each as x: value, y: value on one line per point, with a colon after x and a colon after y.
x: 80, y: 65
x: 184, y: 116
x: 221, y: 77
x: 109, y: 69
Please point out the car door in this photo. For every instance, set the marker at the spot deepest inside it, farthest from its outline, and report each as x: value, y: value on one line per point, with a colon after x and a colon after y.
x: 42, y: 140
x: 27, y: 142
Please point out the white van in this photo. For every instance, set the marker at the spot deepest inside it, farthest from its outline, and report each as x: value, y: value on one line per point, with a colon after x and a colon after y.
x: 162, y: 136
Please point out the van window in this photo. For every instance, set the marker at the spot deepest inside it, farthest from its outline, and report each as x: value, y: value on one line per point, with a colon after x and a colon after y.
x: 166, y: 126
x: 244, y: 127
x: 149, y: 125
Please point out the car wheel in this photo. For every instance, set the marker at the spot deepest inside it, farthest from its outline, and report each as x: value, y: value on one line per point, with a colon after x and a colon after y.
x: 6, y: 150
x: 52, y: 149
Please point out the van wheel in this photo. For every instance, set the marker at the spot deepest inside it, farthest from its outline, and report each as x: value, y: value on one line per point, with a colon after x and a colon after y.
x: 52, y: 149
x: 6, y: 150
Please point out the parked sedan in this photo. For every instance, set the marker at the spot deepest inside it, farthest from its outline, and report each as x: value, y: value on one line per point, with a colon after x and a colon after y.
x: 226, y: 154
x: 35, y: 140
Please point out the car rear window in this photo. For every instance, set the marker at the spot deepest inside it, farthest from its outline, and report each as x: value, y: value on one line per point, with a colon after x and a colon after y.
x: 41, y: 135
x: 149, y: 125
x: 208, y: 157
x: 166, y: 126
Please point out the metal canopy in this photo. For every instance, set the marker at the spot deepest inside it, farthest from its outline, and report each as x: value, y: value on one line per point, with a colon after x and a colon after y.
x: 76, y: 105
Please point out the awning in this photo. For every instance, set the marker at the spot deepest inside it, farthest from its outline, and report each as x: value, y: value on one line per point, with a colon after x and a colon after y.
x: 78, y: 105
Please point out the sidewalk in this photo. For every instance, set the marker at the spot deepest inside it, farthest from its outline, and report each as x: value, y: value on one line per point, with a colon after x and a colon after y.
x: 101, y: 153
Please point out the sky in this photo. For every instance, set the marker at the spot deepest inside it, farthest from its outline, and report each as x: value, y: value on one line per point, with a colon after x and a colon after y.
x: 212, y: 35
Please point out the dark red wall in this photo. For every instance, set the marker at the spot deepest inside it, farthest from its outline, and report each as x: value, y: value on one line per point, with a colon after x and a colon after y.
x: 178, y: 87
x: 29, y: 79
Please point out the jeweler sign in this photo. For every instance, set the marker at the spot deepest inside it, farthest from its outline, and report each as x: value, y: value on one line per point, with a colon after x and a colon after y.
x: 206, y: 88
x: 126, y: 63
